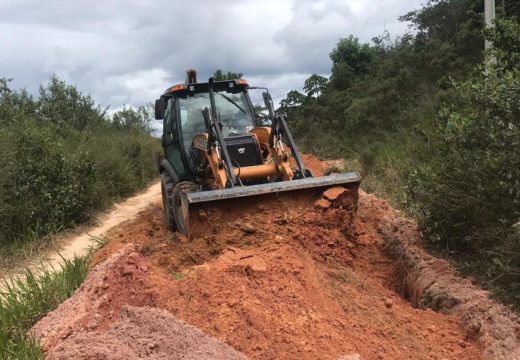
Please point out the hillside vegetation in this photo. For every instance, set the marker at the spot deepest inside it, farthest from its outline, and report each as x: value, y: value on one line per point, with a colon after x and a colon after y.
x: 63, y: 158
x: 432, y: 129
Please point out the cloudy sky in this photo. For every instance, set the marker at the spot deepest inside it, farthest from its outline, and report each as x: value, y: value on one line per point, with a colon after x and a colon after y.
x: 129, y: 51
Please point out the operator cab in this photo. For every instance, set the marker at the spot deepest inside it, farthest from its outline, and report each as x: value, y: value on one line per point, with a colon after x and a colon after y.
x: 182, y: 109
x: 235, y: 113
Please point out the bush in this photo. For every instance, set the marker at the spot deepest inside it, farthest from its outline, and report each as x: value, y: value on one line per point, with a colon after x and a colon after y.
x: 473, y: 189
x: 45, y: 186
x: 467, y: 198
x: 62, y: 158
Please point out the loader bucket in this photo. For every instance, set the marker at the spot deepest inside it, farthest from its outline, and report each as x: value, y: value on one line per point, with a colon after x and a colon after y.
x: 316, y: 185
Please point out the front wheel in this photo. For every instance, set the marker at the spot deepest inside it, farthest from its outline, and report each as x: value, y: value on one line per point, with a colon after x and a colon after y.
x: 180, y: 206
x: 167, y: 200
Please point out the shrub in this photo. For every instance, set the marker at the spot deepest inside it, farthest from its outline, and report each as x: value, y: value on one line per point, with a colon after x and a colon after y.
x: 469, y: 196
x: 62, y: 159
x: 45, y: 186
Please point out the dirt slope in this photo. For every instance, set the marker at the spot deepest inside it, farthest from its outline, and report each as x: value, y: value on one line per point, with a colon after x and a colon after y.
x: 283, y: 279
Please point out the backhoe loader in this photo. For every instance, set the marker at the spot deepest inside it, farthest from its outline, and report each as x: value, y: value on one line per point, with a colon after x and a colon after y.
x: 216, y: 149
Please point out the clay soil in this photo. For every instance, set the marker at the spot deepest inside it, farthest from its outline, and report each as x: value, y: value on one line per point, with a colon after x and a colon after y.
x: 283, y: 278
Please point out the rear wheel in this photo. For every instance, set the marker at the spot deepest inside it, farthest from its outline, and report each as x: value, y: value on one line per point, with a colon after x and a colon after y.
x: 167, y: 199
x: 180, y: 208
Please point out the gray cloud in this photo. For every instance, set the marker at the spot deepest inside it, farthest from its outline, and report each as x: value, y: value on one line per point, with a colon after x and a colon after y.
x: 128, y: 52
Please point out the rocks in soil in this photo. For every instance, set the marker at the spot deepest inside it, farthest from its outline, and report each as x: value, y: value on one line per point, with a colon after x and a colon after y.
x: 389, y: 303
x: 337, y: 197
x: 334, y: 193
x: 248, y: 228
x: 322, y: 204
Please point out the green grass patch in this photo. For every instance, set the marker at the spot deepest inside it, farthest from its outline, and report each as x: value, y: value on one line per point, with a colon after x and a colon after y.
x: 29, y: 298
x: 178, y: 275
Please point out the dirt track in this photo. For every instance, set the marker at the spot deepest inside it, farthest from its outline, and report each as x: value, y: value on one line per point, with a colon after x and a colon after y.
x: 78, y: 241
x: 278, y: 280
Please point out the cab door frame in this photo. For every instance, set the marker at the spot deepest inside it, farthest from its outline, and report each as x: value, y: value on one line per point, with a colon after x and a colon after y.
x: 174, y: 150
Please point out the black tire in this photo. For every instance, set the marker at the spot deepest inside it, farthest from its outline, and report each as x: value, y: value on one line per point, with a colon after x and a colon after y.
x: 157, y: 158
x: 167, y: 199
x: 180, y: 214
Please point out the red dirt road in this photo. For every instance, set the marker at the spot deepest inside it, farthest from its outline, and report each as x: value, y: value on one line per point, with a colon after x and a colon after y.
x: 283, y: 279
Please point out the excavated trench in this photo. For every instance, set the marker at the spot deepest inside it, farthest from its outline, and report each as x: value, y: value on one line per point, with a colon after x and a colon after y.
x: 292, y: 278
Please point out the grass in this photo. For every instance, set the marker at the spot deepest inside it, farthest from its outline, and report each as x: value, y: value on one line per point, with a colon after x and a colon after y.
x: 25, y: 248
x: 383, y: 160
x: 178, y: 275
x: 27, y: 299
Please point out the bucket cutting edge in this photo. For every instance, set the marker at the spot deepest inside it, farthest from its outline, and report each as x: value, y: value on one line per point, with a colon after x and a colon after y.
x: 347, y: 179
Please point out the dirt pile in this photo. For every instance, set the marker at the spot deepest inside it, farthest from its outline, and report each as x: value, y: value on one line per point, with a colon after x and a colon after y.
x: 94, y: 302
x: 98, y: 322
x: 144, y: 332
x: 286, y: 279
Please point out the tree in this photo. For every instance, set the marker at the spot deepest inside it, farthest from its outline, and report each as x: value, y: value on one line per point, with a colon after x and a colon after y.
x: 133, y: 119
x: 350, y: 59
x: 15, y: 105
x: 315, y: 85
x: 219, y: 75
x: 448, y: 36
x: 294, y: 98
x: 64, y: 105
x: 505, y: 37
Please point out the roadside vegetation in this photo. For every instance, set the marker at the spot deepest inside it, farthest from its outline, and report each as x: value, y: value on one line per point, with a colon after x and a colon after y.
x: 27, y: 299
x: 63, y: 158
x: 432, y: 129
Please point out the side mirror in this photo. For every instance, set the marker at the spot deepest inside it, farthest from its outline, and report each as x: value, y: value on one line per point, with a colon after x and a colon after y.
x: 160, y: 107
x: 268, y: 101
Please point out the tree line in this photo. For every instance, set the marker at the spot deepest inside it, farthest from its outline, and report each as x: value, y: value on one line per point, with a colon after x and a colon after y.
x: 432, y: 128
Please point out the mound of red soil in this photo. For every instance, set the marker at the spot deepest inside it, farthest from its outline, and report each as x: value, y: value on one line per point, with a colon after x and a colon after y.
x: 144, y: 332
x: 293, y: 277
x: 302, y: 282
x: 98, y: 322
x: 286, y: 279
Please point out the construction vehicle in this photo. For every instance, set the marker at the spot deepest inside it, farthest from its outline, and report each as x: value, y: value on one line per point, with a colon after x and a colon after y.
x: 216, y: 149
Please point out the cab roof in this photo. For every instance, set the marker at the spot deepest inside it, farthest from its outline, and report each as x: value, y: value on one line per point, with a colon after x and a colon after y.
x: 235, y: 85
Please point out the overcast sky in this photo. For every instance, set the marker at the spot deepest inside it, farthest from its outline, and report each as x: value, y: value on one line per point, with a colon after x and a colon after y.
x: 129, y: 51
